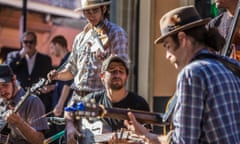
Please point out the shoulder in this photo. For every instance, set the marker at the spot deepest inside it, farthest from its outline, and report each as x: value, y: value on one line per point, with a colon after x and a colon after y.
x: 42, y: 55
x: 13, y: 53
x: 203, y: 68
x: 44, y: 58
x: 114, y: 28
x: 136, y: 97
x: 217, y: 20
x: 34, y: 99
x: 95, y: 95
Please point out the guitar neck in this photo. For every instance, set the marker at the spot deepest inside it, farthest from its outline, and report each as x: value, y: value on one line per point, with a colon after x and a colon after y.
x: 23, y: 99
x: 141, y: 116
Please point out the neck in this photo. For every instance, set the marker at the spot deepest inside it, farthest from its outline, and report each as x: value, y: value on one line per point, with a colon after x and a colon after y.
x: 232, y: 8
x: 63, y: 53
x: 99, y: 25
x: 116, y: 95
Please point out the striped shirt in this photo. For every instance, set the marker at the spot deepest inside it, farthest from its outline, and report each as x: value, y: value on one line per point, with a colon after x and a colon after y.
x: 208, y: 104
x: 85, y: 60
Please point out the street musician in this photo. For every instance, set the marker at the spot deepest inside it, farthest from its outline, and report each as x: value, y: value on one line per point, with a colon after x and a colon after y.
x: 99, y: 39
x: 207, y: 109
x: 23, y: 129
x: 224, y: 22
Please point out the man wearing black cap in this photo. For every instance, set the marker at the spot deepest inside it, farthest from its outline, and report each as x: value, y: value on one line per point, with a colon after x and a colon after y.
x: 25, y: 125
x: 114, y: 75
x: 207, y: 108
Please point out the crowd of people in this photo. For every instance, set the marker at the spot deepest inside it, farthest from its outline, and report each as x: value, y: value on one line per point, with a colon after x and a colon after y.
x: 206, y: 104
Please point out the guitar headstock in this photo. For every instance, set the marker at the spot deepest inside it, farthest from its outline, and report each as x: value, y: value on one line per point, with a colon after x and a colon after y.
x: 86, y: 108
x: 38, y: 85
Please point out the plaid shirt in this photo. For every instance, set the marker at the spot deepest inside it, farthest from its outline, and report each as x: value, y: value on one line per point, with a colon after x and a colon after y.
x: 208, y: 104
x: 85, y: 61
x: 223, y: 23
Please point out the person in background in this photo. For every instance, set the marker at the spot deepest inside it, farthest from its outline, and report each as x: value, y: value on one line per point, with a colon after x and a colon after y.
x: 62, y: 91
x: 207, y: 109
x: 25, y: 125
x: 223, y: 22
x: 30, y: 66
x: 114, y: 76
x: 99, y: 39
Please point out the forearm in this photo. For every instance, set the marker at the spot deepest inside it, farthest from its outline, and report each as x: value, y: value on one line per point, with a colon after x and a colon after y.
x: 64, y: 75
x: 31, y: 135
x: 64, y: 95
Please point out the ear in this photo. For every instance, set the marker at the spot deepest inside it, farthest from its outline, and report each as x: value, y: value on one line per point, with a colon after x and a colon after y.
x: 182, y: 37
x: 101, y: 75
x: 104, y: 9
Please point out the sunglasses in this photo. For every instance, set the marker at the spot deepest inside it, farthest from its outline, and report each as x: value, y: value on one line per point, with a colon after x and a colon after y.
x: 28, y: 41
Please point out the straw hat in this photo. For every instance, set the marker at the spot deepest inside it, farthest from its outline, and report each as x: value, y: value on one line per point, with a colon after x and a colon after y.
x: 179, y: 19
x: 88, y: 4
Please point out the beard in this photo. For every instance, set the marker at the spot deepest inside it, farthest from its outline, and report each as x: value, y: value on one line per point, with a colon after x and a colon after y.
x: 116, y: 85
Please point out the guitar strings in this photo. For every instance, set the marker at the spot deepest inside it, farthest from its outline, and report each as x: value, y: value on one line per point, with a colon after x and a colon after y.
x: 43, y: 116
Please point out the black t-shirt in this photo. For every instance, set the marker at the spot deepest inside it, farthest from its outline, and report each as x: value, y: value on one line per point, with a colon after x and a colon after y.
x: 131, y: 101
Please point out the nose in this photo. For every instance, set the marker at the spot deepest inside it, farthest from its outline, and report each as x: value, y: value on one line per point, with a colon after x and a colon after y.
x: 168, y: 55
x: 116, y: 73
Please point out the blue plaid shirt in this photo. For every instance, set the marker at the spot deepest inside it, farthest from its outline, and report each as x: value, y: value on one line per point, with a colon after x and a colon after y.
x: 208, y: 104
x: 85, y: 63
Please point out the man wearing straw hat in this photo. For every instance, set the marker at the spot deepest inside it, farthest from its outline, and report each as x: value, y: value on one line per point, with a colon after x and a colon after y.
x: 207, y: 108
x: 99, y: 39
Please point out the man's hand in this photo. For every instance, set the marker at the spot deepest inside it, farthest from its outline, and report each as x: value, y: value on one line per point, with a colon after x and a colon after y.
x: 13, y: 118
x: 72, y: 133
x: 52, y: 75
x: 58, y: 110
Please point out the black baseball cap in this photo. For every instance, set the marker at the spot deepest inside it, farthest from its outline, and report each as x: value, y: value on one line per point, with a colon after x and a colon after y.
x: 6, y: 73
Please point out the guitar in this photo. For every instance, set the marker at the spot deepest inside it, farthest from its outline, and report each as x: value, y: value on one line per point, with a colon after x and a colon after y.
x: 93, y: 132
x: 90, y: 110
x: 4, y: 130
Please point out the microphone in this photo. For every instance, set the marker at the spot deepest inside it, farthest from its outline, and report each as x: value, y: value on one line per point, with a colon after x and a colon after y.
x: 56, y: 120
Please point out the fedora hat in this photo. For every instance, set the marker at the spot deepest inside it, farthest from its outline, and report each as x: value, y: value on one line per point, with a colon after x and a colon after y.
x: 88, y: 4
x: 179, y: 19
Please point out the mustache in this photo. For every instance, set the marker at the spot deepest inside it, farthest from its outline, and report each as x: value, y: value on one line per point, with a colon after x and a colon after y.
x: 116, y: 79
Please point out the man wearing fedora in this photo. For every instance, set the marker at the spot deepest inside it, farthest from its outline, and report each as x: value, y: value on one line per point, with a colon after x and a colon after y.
x: 207, y: 109
x: 99, y: 39
x: 25, y: 126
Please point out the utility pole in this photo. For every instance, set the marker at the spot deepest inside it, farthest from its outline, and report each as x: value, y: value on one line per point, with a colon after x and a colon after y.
x: 24, y: 16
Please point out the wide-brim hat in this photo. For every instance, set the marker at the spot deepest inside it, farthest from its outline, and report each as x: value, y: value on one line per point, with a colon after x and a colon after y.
x: 88, y: 4
x: 179, y: 19
x: 113, y: 58
x: 6, y: 73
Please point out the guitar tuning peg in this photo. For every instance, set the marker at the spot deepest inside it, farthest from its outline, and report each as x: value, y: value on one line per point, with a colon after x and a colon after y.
x: 88, y: 104
x: 91, y: 119
x: 94, y: 106
x: 77, y: 117
x: 93, y: 101
x: 93, y: 114
x: 87, y: 114
x: 79, y: 113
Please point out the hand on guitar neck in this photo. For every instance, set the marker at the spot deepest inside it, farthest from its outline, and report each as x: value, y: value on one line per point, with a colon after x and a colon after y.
x: 90, y: 110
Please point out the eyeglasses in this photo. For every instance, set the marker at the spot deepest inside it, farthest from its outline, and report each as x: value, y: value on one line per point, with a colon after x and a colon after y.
x: 91, y: 11
x: 29, y: 41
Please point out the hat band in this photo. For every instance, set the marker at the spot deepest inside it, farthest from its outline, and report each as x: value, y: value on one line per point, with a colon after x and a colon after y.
x: 170, y: 28
x: 93, y: 2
